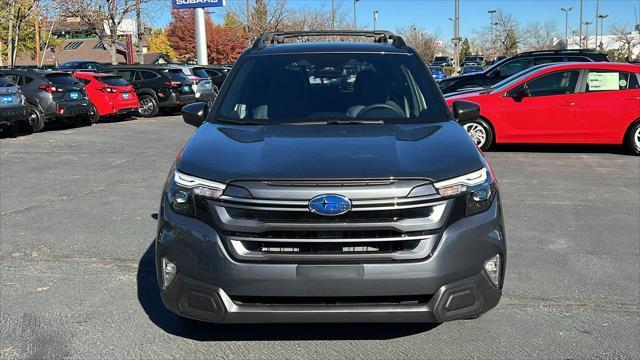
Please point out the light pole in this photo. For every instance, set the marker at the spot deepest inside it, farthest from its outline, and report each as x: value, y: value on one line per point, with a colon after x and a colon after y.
x: 580, y: 36
x: 586, y: 35
x: 355, y: 21
x: 601, y: 17
x: 566, y: 24
x: 333, y: 14
x: 597, y: 15
x: 456, y: 33
x: 375, y: 20
x: 492, y: 39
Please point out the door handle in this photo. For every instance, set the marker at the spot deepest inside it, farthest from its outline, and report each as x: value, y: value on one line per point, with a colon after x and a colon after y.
x: 568, y: 103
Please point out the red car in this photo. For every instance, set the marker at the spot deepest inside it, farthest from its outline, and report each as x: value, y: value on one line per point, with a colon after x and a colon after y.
x: 109, y: 94
x: 570, y: 103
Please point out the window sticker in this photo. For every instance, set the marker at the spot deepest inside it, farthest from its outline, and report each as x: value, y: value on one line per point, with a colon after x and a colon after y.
x: 603, y: 81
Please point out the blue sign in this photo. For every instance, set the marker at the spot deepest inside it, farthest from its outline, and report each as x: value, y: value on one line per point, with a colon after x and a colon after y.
x: 190, y: 4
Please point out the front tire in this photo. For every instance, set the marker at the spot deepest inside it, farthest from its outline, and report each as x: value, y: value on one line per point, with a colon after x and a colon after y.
x: 148, y: 106
x: 480, y: 132
x: 633, y: 138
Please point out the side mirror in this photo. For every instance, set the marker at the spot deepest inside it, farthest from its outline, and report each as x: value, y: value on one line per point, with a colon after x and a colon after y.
x: 195, y: 114
x: 521, y: 94
x: 465, y: 110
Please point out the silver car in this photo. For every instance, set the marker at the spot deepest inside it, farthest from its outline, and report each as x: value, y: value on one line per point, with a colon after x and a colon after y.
x: 202, y: 84
x: 12, y: 106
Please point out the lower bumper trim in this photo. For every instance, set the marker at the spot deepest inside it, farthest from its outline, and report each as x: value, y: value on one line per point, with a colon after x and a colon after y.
x: 197, y: 300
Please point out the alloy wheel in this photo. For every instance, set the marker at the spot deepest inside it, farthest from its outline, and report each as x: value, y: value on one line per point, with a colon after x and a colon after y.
x: 477, y: 132
x: 636, y: 138
x: 146, y: 106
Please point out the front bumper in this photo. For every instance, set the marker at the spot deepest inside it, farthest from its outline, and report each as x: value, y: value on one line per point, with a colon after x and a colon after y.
x: 209, y: 279
x: 9, y: 115
x: 198, y: 300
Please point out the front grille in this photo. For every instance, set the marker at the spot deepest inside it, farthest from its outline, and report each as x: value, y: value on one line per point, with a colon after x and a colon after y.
x: 330, y: 248
x: 277, y: 229
x: 293, y: 216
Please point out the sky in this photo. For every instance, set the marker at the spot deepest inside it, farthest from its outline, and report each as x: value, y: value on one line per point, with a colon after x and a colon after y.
x: 433, y: 15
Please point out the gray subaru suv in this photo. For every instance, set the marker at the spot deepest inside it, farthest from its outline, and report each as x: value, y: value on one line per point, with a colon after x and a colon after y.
x: 330, y: 182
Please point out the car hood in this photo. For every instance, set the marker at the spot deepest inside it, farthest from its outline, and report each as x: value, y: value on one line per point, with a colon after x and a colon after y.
x: 227, y: 153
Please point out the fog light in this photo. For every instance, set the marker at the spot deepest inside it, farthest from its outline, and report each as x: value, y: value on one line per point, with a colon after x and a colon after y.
x: 492, y: 268
x: 169, y: 271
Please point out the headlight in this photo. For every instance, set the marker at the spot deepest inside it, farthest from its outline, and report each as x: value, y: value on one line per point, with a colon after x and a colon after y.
x: 184, y: 191
x: 479, y: 188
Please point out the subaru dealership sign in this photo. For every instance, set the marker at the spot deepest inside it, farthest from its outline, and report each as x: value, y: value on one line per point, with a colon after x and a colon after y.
x: 188, y: 4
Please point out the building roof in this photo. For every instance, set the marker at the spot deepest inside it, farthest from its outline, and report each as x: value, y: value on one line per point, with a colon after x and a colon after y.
x: 76, y: 49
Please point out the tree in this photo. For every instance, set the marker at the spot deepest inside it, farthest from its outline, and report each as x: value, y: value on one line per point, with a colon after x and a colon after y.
x: 261, y: 16
x: 225, y: 43
x: 541, y: 36
x: 426, y: 44
x: 104, y: 17
x: 626, y: 40
x: 465, y: 49
x: 508, y: 33
x: 17, y: 28
x: 159, y: 42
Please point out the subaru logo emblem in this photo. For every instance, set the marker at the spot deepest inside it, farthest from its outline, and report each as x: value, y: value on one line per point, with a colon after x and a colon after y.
x: 329, y: 205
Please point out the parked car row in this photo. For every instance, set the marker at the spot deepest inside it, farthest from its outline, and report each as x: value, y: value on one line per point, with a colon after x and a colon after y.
x: 82, y: 92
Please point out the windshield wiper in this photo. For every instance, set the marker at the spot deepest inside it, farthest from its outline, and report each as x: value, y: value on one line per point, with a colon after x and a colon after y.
x: 240, y: 122
x: 339, y: 122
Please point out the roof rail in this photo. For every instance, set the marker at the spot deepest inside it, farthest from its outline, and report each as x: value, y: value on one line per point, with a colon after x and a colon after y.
x: 280, y: 37
x: 559, y: 51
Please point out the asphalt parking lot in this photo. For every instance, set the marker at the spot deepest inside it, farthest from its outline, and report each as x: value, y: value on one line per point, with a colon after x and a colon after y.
x: 77, y: 223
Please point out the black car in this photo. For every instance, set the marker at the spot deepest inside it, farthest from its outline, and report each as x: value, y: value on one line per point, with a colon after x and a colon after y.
x: 157, y: 86
x: 218, y: 74
x: 444, y: 61
x: 473, y: 59
x: 51, y: 96
x: 330, y: 182
x: 82, y: 65
x: 513, y: 65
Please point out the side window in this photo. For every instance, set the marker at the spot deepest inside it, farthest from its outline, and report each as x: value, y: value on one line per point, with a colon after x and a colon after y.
x: 605, y: 80
x: 13, y: 78
x: 557, y: 83
x: 577, y: 59
x: 146, y: 75
x: 546, y: 60
x: 127, y: 74
x: 513, y: 67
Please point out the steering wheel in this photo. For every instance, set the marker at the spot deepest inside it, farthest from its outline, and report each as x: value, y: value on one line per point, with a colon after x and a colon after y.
x: 380, y: 106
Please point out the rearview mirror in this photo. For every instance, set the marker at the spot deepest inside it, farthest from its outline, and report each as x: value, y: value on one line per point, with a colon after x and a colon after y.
x: 465, y: 110
x: 195, y: 114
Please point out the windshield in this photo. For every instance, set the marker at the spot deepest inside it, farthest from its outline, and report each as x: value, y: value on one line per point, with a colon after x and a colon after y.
x: 177, y: 75
x: 436, y: 69
x: 200, y: 72
x: 63, y: 80
x: 113, y: 81
x: 330, y: 87
x: 5, y: 82
x: 514, y: 78
x: 473, y: 68
x: 440, y: 58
